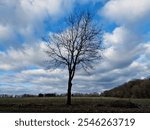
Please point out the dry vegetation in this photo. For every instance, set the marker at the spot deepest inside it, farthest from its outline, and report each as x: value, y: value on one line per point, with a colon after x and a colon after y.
x: 79, y: 105
x: 132, y: 89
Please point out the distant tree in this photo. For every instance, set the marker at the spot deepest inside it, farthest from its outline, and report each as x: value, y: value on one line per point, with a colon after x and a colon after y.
x: 41, y: 95
x: 50, y: 95
x: 79, y: 46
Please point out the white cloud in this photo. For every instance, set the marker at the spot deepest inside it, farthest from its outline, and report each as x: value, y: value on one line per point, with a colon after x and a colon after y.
x: 24, y: 19
x: 34, y: 81
x: 126, y: 11
x: 16, y: 59
x: 123, y: 47
x: 40, y: 8
x: 43, y: 72
x: 126, y: 43
x: 5, y: 67
x: 4, y: 32
x: 122, y: 36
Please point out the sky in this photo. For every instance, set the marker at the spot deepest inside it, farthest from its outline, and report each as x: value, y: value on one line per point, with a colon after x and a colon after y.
x: 23, y: 23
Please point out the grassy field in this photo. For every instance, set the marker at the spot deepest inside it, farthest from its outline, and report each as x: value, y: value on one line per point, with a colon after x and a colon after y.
x: 79, y: 105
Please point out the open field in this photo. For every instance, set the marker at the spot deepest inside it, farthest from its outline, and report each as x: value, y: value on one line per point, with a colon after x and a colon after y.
x: 79, y: 105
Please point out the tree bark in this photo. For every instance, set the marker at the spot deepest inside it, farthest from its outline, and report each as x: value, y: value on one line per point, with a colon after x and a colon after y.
x: 69, y: 91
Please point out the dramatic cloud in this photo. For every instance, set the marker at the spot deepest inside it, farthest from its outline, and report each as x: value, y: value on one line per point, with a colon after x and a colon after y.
x: 24, y: 20
x: 126, y: 56
x: 126, y: 43
x: 22, y: 56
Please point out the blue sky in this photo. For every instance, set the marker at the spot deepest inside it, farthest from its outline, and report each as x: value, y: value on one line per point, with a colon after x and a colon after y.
x: 23, y: 23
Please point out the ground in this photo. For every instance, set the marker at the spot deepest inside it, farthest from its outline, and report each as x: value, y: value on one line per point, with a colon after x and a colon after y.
x: 79, y: 105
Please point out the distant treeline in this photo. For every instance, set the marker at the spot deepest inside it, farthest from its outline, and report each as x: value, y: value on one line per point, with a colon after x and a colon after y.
x: 73, y: 95
x: 50, y: 95
x: 29, y: 95
x: 133, y: 89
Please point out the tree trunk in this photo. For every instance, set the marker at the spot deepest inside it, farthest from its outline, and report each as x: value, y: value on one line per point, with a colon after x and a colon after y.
x: 69, y: 92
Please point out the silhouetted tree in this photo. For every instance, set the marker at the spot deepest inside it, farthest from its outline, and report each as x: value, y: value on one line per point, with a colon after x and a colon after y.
x: 79, y: 46
x: 41, y: 95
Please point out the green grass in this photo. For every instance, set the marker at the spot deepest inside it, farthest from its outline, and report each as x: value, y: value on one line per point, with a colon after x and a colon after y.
x: 79, y: 104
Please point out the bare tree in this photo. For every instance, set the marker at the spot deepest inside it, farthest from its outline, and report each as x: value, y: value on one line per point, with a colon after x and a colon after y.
x: 79, y: 46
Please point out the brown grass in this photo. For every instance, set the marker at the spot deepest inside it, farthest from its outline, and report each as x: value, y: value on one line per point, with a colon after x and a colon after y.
x: 79, y: 105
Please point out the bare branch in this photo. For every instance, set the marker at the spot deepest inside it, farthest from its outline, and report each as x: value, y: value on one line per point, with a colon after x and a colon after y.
x: 79, y: 46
